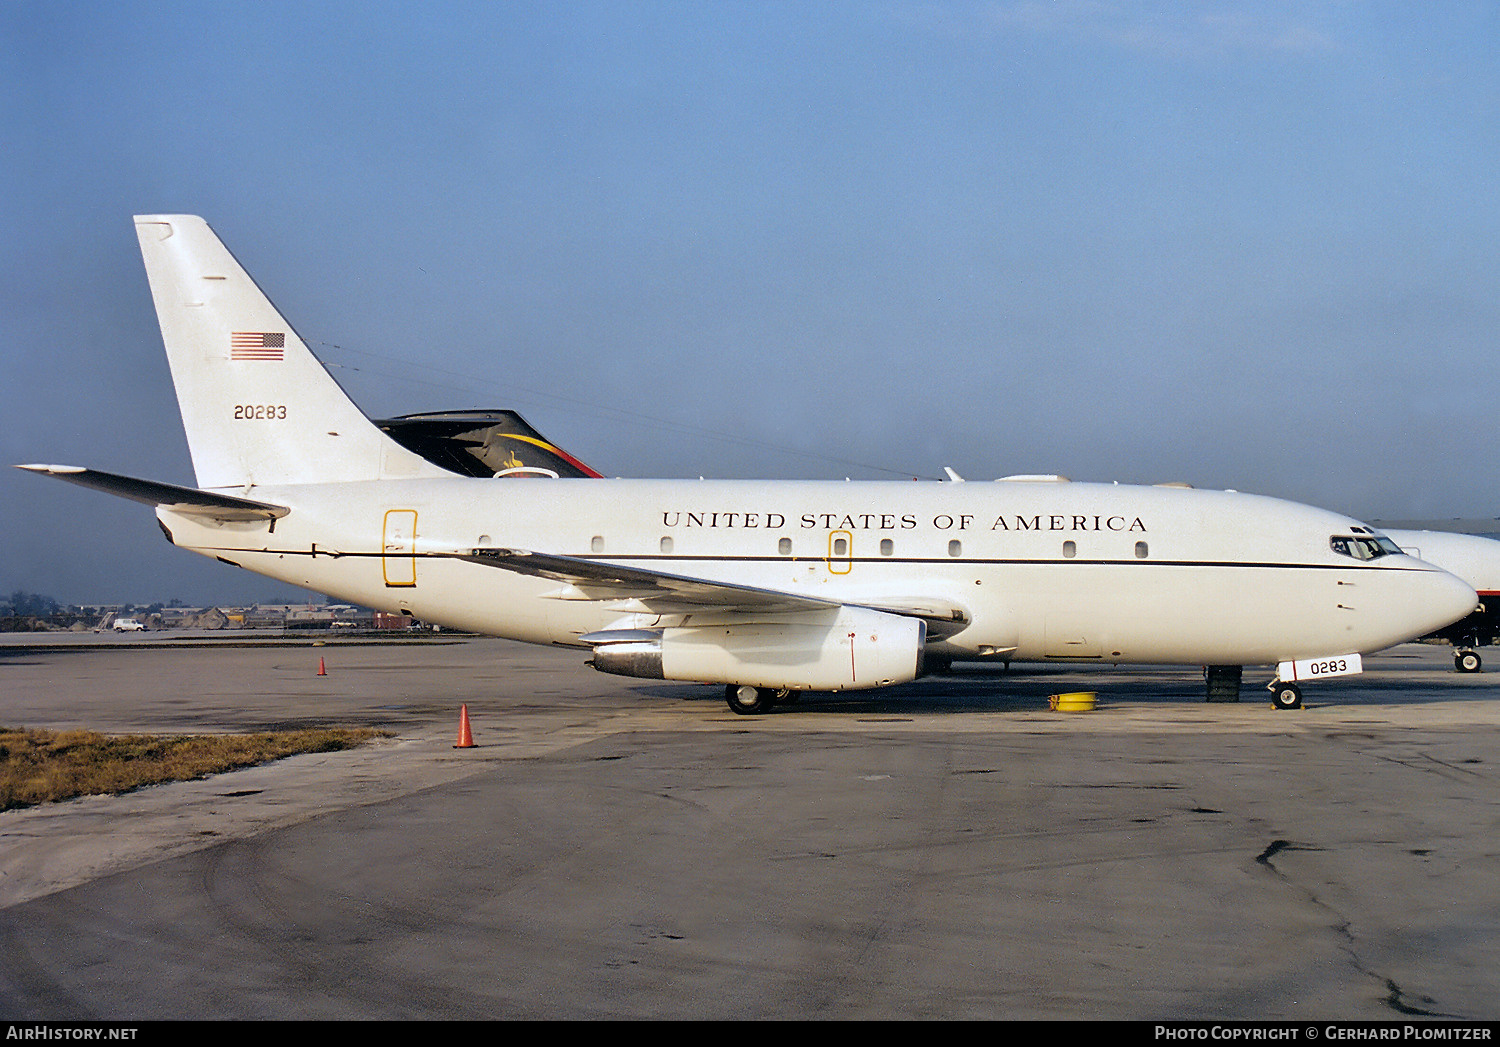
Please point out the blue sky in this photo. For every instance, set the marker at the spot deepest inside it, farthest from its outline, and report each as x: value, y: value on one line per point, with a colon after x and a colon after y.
x: 1240, y: 245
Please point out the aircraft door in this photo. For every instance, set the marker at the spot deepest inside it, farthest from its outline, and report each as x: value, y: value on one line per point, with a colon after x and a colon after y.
x: 398, y: 548
x: 840, y: 552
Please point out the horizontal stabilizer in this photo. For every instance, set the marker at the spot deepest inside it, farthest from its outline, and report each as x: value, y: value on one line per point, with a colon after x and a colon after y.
x: 170, y: 496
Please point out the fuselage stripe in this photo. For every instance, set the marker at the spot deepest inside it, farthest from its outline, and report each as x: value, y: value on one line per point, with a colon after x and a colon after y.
x: 627, y: 560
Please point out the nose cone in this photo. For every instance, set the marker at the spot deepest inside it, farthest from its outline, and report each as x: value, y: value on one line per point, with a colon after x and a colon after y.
x: 1438, y: 599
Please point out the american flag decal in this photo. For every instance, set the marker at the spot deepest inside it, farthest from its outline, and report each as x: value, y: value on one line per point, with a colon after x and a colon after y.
x: 256, y: 345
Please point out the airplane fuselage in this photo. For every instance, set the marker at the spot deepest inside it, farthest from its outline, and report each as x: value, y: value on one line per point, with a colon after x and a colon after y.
x: 1098, y: 572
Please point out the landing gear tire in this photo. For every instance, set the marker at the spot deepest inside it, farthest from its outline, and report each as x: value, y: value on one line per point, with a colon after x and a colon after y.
x: 1468, y: 662
x: 1286, y: 696
x: 749, y: 701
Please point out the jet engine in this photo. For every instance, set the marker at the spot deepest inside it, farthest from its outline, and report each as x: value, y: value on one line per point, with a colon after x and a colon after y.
x: 846, y: 649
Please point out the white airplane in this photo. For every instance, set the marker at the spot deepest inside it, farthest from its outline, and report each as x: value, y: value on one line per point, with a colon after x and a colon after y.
x: 765, y: 587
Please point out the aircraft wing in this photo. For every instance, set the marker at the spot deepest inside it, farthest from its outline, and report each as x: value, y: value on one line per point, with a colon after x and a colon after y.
x: 179, y: 499
x: 659, y: 592
x: 664, y: 593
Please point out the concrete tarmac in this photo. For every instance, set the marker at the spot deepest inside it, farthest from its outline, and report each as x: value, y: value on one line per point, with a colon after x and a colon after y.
x: 615, y: 848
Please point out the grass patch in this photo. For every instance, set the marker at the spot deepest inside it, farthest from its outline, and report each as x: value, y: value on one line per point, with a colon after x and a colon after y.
x: 41, y: 766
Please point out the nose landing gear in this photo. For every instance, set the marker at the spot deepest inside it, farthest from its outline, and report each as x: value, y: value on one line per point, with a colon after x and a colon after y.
x: 1285, y: 695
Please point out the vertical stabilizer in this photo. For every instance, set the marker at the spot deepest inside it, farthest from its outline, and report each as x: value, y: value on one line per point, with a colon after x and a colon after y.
x: 258, y: 407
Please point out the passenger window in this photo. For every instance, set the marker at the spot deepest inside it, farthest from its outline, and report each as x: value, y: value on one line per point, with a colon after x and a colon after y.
x: 887, y: 547
x: 666, y: 543
x: 1070, y: 549
x: 955, y: 548
x: 1141, y: 552
x: 597, y: 544
x: 784, y: 547
x: 841, y: 547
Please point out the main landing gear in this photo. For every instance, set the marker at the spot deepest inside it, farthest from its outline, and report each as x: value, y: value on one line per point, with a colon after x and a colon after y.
x: 1222, y: 682
x: 752, y: 701
x: 1467, y: 661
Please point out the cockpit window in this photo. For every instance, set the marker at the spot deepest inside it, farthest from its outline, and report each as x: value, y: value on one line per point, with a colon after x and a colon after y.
x: 1360, y: 547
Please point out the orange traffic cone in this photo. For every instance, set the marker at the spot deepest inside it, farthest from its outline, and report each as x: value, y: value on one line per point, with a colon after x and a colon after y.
x: 465, y: 736
x: 322, y: 669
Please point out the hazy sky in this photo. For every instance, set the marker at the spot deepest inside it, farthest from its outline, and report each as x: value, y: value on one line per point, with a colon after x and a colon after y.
x: 1248, y: 245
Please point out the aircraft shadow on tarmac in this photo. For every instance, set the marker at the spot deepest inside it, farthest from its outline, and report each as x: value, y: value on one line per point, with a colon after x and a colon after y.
x: 970, y: 688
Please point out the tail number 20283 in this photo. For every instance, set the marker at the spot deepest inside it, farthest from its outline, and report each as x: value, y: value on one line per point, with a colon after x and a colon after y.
x: 250, y: 412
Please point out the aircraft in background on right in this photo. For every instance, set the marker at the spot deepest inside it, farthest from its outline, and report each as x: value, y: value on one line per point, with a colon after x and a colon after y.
x: 1462, y: 548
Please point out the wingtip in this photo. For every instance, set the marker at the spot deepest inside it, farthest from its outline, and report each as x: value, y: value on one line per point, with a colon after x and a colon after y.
x: 53, y: 470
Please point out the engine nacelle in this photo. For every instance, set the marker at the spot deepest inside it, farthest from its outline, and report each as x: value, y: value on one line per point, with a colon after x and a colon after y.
x: 847, y: 649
